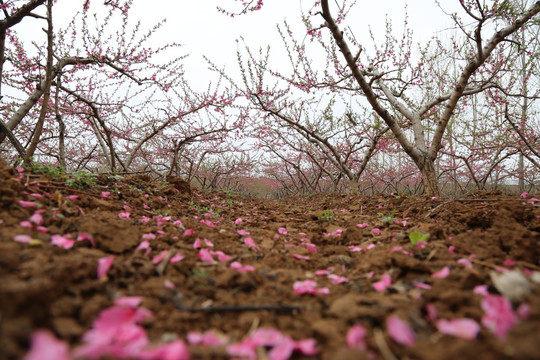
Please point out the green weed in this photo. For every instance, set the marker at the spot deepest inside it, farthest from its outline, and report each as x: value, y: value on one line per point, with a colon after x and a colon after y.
x: 326, y: 215
x: 387, y: 218
x: 417, y: 236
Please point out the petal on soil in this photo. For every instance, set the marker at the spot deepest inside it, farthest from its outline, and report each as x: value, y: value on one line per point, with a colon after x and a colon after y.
x: 197, y: 243
x: 441, y: 274
x: 243, y: 233
x: 62, y: 241
x: 45, y: 346
x: 188, y: 232
x: 131, y: 302
x: 37, y: 218
x: 205, y: 256
x: 499, y: 316
x: 283, y: 231
x: 221, y: 255
x: 267, y: 337
x: 305, y: 287
x: 159, y: 257
x: 251, y: 244
x: 22, y: 238
x: 356, y: 337
x: 310, y: 247
x: 176, y: 258
x: 481, y: 290
x: 307, y: 347
x: 144, y: 245
x: 208, y: 223
x: 174, y: 350
x: 283, y: 350
x: 327, y: 271
x: 376, y: 231
x: 300, y: 257
x: 243, y: 350
x: 124, y: 215
x: 400, y: 331
x: 149, y: 236
x: 362, y: 225
x: 462, y: 328
x: 24, y: 203
x: 104, y: 265
x: 381, y: 285
x: 465, y: 262
x: 83, y: 236
x: 336, y: 279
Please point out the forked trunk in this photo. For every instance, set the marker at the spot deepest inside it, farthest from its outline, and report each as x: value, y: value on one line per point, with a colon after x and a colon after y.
x: 429, y: 177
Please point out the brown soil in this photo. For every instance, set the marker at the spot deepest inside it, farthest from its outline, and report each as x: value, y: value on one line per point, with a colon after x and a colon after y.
x: 47, y: 286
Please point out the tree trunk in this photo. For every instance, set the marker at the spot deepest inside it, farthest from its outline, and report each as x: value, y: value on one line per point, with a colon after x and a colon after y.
x: 429, y: 176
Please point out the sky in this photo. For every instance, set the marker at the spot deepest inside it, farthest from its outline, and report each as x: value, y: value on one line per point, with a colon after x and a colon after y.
x: 203, y: 30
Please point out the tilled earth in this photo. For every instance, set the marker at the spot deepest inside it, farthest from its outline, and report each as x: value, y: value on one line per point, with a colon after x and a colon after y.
x: 371, y: 272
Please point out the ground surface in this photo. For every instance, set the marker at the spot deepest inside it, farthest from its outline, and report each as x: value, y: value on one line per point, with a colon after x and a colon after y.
x: 44, y: 286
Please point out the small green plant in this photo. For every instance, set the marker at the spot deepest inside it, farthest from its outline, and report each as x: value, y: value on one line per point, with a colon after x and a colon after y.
x: 205, y: 209
x: 78, y: 179
x: 387, y: 218
x: 327, y: 215
x: 202, y: 273
x: 161, y: 212
x: 417, y: 236
x: 230, y: 193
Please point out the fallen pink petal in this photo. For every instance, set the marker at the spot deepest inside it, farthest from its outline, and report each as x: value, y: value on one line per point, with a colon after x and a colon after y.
x: 300, y: 257
x: 283, y: 231
x: 208, y: 223
x: 221, y: 255
x: 176, y: 258
x: 205, y: 256
x: 250, y: 243
x: 376, y: 231
x: 159, y: 258
x: 462, y: 328
x: 22, y: 238
x: 63, y: 241
x: 400, y: 331
x: 336, y: 279
x: 465, y: 262
x: 188, y: 232
x: 381, y: 285
x: 148, y: 236
x: 124, y: 215
x: 242, y: 232
x: 499, y: 316
x: 356, y: 337
x: 104, y: 265
x: 362, y: 225
x: 83, y: 237
x: 302, y: 287
x: 306, y: 347
x: 421, y: 285
x: 45, y: 346
x: 24, y: 203
x: 441, y: 274
x: 144, y: 245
